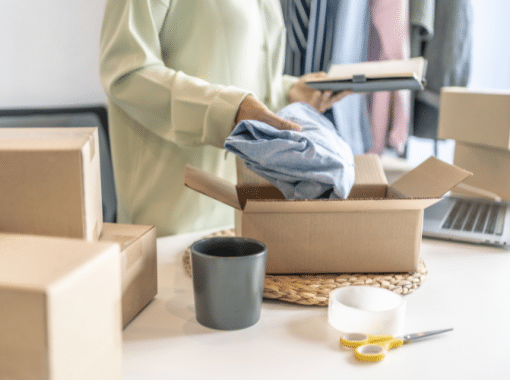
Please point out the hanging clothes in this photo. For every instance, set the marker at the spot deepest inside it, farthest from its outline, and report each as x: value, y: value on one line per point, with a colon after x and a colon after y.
x: 350, y: 45
x: 388, y: 40
x: 336, y: 32
x: 309, y: 35
x: 421, y: 23
x: 297, y: 19
x: 448, y: 55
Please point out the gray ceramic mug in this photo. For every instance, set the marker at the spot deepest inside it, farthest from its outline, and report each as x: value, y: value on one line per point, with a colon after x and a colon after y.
x: 228, y: 281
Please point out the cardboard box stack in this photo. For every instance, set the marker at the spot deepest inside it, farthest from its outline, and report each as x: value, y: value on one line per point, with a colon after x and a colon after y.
x: 68, y: 279
x: 479, y: 122
x: 377, y: 229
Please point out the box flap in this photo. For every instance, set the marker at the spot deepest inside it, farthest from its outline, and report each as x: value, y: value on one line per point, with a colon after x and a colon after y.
x: 369, y: 170
x: 370, y: 180
x: 212, y: 186
x: 246, y: 177
x: 432, y: 179
x: 331, y: 206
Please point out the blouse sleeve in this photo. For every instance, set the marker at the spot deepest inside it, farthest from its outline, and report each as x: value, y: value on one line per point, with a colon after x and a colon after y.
x: 177, y: 107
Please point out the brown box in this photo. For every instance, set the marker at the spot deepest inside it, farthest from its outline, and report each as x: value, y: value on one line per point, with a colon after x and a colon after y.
x: 50, y: 182
x: 475, y: 116
x: 139, y: 272
x: 377, y: 229
x: 59, y: 309
x: 490, y: 168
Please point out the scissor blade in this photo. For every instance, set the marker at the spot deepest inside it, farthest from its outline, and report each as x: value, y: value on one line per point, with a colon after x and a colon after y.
x: 411, y: 337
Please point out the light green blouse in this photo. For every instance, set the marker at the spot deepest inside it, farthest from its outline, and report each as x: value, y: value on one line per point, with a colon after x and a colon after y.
x: 175, y: 72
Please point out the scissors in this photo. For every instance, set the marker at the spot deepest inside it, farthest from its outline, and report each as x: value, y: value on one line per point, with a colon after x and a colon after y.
x: 373, y: 348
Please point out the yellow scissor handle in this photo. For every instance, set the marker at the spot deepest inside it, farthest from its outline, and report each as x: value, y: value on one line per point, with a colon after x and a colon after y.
x: 370, y: 347
x: 376, y: 351
x: 354, y: 340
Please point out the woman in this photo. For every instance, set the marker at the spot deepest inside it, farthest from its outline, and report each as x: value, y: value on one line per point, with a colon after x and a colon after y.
x: 179, y: 75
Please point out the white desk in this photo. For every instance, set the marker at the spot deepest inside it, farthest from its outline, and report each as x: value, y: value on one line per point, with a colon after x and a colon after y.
x: 468, y: 288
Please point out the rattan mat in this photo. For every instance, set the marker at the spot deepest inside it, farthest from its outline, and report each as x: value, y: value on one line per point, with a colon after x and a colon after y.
x: 313, y: 289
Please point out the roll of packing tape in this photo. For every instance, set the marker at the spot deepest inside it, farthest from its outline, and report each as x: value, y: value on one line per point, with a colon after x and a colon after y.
x: 366, y: 309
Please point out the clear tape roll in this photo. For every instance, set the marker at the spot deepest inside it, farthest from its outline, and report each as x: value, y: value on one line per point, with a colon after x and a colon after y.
x: 366, y: 309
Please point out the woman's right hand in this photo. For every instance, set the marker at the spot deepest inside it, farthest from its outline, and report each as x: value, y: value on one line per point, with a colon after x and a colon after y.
x: 252, y: 109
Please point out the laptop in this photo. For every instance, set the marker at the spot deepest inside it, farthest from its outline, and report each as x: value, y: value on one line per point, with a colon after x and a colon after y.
x: 470, y: 220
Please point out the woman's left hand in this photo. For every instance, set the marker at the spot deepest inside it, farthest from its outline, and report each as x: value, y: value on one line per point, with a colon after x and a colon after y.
x: 320, y: 100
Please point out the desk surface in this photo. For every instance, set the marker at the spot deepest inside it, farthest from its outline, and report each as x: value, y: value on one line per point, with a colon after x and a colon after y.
x: 467, y: 288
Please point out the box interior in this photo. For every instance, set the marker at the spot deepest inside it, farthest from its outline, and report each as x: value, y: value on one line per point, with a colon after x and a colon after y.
x: 420, y: 188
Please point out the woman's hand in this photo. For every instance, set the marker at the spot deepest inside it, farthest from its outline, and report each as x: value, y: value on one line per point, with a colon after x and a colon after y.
x: 253, y: 109
x: 320, y: 100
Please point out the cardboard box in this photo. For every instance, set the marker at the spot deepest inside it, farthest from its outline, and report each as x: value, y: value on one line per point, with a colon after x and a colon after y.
x: 490, y: 168
x: 377, y: 229
x: 475, y: 116
x: 59, y: 309
x: 139, y: 273
x: 50, y: 182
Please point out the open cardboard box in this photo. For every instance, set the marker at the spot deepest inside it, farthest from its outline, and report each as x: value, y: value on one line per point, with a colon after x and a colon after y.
x: 377, y: 229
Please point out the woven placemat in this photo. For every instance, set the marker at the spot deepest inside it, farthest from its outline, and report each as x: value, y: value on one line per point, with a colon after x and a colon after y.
x: 313, y: 289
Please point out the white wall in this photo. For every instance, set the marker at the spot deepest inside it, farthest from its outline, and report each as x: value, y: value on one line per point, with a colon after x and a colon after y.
x: 491, y: 44
x: 49, y: 50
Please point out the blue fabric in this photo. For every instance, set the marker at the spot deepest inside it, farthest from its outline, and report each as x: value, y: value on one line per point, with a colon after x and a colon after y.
x: 313, y: 163
x: 350, y: 45
x: 337, y: 34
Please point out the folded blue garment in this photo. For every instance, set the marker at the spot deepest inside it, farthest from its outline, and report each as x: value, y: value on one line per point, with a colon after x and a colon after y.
x: 313, y: 163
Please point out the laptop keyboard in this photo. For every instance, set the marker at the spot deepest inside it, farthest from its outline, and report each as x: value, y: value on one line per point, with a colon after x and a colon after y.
x: 478, y: 217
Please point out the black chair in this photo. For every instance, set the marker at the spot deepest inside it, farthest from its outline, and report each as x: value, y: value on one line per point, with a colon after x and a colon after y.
x: 86, y: 116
